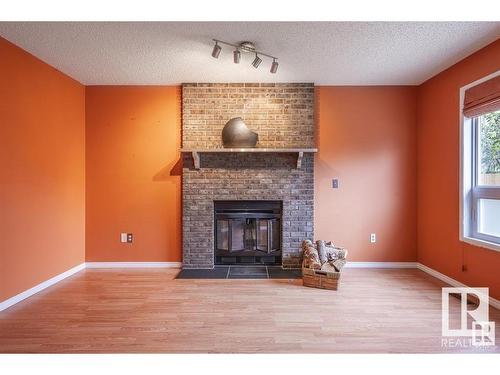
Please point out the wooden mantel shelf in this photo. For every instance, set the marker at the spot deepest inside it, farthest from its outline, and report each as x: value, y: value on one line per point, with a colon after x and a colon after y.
x: 197, y: 151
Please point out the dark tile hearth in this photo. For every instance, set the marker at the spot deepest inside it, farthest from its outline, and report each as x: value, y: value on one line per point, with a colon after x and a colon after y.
x: 215, y: 273
x: 240, y: 272
x: 280, y: 273
x: 248, y: 272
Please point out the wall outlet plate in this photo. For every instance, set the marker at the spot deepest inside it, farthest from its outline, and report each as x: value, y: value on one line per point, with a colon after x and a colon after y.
x: 335, y: 183
x: 126, y: 237
x: 123, y: 237
x: 373, y: 238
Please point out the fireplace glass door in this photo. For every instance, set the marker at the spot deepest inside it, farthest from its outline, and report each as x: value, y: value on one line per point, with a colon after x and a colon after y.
x: 247, y: 232
x: 222, y: 234
x: 268, y: 235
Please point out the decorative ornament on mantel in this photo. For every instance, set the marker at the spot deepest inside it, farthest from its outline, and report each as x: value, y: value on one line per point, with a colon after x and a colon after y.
x: 236, y: 134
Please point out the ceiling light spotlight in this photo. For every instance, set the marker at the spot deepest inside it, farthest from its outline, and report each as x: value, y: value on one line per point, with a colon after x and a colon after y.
x: 274, y: 66
x: 216, y: 50
x: 256, y: 62
x: 236, y: 56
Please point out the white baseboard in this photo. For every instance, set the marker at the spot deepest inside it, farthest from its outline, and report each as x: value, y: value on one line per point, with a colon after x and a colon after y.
x: 438, y: 275
x: 381, y: 265
x: 37, y: 288
x: 452, y: 282
x: 133, y: 264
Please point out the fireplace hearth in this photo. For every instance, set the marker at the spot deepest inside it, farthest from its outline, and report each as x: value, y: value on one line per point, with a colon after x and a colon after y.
x: 247, y: 232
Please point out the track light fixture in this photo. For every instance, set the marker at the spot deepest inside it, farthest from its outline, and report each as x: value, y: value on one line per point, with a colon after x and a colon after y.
x: 256, y: 62
x: 216, y: 50
x: 236, y: 56
x: 274, y: 66
x: 245, y: 47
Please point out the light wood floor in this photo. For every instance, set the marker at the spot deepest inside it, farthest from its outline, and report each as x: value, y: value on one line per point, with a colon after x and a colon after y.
x: 109, y: 311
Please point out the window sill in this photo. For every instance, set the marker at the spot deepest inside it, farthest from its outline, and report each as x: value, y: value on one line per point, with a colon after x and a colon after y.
x: 482, y: 243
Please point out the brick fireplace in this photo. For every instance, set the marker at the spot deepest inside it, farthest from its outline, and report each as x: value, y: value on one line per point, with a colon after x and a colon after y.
x: 283, y: 116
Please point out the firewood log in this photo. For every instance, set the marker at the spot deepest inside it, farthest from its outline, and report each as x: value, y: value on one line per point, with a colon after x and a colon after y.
x: 311, y: 258
x: 321, y: 246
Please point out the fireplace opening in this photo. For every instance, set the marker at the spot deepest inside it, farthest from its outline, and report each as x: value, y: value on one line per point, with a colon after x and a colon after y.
x: 248, y: 232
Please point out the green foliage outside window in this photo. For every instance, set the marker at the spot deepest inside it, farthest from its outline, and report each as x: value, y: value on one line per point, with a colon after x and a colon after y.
x: 490, y: 142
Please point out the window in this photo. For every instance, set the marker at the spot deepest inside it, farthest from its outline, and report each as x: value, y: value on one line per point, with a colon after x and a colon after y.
x: 480, y: 219
x: 486, y: 177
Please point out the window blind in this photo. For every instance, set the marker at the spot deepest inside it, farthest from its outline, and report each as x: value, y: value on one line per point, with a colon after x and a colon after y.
x: 482, y: 98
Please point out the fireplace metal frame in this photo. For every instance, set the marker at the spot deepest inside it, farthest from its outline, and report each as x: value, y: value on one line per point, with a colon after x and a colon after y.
x: 257, y: 210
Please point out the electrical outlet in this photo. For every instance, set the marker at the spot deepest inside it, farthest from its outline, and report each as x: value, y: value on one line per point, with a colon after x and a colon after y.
x: 123, y: 237
x: 373, y: 238
x: 335, y: 183
x: 126, y: 237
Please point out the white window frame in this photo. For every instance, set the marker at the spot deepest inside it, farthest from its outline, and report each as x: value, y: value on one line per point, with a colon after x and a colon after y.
x: 470, y: 191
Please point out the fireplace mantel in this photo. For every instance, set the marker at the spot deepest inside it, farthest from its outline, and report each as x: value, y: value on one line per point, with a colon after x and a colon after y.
x: 195, y: 152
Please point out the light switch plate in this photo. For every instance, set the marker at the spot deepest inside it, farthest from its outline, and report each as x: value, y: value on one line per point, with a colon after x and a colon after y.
x: 123, y: 237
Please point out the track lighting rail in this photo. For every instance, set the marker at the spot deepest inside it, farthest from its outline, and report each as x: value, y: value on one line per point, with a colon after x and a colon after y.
x: 242, y: 47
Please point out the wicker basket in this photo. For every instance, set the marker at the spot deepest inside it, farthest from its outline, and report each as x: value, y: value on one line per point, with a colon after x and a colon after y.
x: 320, y: 279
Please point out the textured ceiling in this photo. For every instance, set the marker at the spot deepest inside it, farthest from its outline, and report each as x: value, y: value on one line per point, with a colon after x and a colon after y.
x: 336, y: 53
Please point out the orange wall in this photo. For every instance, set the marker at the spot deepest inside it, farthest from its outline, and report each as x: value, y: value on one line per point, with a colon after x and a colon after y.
x: 133, y: 141
x: 438, y: 175
x: 42, y: 163
x: 367, y: 139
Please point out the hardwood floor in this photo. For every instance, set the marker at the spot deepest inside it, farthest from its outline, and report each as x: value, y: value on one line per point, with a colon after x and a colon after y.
x: 130, y: 310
